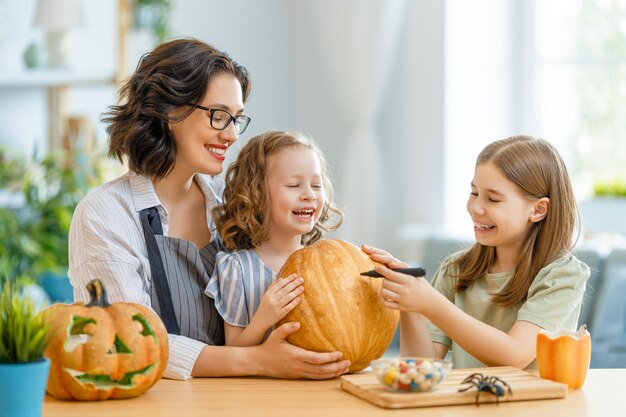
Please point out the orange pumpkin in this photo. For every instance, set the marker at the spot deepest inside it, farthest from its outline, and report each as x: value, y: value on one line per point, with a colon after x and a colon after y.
x: 564, y: 356
x: 100, y: 350
x: 339, y: 309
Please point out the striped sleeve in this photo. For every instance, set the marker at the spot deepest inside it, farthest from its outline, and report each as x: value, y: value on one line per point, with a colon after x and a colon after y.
x: 226, y: 287
x: 106, y: 248
x: 183, y: 355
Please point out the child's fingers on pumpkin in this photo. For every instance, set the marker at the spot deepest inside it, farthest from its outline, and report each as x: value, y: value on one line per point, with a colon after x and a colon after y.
x: 373, y: 250
x: 376, y: 252
x: 287, y: 296
x: 280, y: 283
x: 294, y: 286
x: 390, y: 261
x: 370, y: 249
x: 381, y: 257
x: 290, y: 306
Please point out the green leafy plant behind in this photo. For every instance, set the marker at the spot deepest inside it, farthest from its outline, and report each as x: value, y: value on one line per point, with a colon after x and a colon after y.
x: 153, y: 15
x: 610, y: 189
x: 11, y: 170
x: 35, y: 233
x: 51, y: 191
x: 23, y: 331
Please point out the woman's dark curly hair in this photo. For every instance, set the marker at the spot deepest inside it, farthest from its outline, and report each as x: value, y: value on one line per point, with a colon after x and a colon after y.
x: 242, y: 221
x: 173, y: 74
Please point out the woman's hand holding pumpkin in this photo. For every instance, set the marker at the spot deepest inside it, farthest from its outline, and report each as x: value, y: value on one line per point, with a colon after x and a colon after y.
x: 280, y: 359
x: 404, y: 292
x: 279, y: 299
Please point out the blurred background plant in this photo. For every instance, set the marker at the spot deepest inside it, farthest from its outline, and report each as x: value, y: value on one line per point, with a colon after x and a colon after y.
x: 154, y: 16
x: 45, y: 193
x: 616, y: 188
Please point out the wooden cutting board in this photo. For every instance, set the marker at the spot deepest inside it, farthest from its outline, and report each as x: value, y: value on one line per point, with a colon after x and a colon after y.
x: 525, y: 386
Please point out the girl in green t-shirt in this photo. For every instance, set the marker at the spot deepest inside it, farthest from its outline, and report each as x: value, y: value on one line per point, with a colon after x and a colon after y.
x: 489, y: 302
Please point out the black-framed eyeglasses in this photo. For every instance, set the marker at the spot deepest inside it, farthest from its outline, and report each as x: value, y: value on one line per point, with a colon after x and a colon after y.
x: 220, y: 119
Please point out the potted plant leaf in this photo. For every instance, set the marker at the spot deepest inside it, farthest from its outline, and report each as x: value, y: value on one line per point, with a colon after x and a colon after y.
x: 23, y: 368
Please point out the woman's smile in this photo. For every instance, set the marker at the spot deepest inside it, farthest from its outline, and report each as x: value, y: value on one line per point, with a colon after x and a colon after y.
x: 217, y: 151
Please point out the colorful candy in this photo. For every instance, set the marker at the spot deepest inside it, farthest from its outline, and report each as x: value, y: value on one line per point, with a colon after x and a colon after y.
x: 410, y: 375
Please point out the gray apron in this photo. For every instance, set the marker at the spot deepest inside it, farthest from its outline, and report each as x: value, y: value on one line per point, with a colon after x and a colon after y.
x: 180, y: 273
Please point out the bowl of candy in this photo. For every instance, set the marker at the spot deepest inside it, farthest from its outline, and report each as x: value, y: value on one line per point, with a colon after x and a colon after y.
x: 410, y: 374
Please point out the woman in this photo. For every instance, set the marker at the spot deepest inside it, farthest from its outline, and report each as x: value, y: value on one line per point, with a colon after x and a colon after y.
x: 148, y: 234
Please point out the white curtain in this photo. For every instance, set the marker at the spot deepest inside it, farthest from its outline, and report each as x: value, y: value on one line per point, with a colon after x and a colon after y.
x: 357, y: 43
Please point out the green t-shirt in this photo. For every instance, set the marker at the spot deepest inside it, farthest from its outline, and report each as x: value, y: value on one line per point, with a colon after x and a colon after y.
x: 553, y: 302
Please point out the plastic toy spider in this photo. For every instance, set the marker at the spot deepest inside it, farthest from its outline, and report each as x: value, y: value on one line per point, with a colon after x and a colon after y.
x: 485, y: 383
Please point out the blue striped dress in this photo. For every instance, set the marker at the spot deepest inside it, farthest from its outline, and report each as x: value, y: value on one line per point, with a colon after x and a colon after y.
x: 239, y: 280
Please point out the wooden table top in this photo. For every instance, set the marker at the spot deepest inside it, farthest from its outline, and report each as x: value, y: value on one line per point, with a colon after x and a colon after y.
x: 604, y: 394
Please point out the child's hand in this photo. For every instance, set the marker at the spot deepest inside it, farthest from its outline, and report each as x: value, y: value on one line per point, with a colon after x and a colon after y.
x: 404, y: 292
x: 279, y: 299
x: 384, y: 257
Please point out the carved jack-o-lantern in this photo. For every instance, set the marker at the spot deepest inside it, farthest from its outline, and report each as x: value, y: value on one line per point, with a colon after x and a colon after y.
x: 100, y: 350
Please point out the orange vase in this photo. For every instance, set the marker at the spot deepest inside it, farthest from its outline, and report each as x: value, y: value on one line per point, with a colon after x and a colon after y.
x: 564, y: 356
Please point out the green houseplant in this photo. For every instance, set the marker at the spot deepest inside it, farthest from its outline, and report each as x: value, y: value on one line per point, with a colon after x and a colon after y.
x: 15, y: 257
x: 154, y: 16
x: 23, y: 368
x: 52, y: 189
x: 36, y: 229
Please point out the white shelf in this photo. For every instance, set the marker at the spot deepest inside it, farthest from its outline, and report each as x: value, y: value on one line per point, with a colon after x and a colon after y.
x: 53, y: 78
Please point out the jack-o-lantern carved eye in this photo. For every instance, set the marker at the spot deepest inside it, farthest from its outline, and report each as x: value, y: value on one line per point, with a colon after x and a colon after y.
x: 114, y: 350
x: 76, y: 335
x: 146, y: 328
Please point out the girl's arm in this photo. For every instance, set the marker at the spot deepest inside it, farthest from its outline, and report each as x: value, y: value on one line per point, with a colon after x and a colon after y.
x: 489, y: 345
x: 415, y: 338
x: 275, y: 358
x: 486, y: 343
x: 279, y: 299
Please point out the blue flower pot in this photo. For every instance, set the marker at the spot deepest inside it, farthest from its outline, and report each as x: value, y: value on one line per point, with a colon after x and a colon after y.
x: 22, y: 388
x: 58, y: 287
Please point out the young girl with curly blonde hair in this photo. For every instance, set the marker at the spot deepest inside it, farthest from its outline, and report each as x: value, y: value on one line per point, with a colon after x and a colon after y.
x: 277, y: 199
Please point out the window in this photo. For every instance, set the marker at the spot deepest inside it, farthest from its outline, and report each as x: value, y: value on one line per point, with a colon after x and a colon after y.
x: 580, y: 100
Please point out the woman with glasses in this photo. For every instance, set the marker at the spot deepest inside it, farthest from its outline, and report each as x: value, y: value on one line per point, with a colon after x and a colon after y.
x: 148, y: 235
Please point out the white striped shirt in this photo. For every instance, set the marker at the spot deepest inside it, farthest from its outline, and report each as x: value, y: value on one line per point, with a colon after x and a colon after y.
x: 107, y: 242
x: 239, y: 280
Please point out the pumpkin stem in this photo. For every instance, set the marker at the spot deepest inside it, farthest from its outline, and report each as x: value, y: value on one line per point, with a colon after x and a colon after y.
x: 98, y: 294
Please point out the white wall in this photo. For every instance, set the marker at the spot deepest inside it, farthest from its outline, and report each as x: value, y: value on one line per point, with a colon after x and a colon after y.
x: 92, y: 49
x: 291, y: 92
x: 441, y: 107
x: 481, y: 93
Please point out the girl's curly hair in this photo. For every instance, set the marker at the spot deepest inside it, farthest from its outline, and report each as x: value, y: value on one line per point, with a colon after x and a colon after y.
x: 242, y: 221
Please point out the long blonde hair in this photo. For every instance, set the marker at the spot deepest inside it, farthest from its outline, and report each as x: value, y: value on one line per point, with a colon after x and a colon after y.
x: 242, y: 220
x: 536, y: 167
